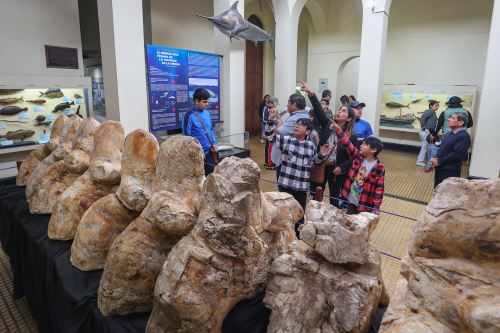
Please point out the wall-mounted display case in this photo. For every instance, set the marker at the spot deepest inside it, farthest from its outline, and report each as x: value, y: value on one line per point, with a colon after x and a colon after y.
x: 26, y: 115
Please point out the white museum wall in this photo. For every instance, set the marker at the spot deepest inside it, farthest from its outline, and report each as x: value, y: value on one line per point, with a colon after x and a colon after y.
x: 302, y: 45
x: 174, y: 25
x: 28, y: 25
x: 267, y: 18
x: 348, y: 79
x: 429, y: 43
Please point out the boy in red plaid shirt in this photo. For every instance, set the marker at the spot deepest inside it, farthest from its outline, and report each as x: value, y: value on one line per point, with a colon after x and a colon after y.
x: 364, y: 185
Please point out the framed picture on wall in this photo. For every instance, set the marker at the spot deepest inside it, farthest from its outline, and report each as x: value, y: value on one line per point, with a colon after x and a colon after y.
x: 61, y: 57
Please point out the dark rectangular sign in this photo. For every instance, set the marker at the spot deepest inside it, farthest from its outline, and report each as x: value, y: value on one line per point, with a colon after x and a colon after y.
x: 61, y: 57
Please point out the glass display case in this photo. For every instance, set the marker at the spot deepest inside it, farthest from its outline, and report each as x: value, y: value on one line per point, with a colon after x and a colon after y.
x: 26, y: 115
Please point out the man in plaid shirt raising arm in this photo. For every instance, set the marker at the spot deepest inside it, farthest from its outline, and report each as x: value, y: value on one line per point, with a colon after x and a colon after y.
x: 364, y: 185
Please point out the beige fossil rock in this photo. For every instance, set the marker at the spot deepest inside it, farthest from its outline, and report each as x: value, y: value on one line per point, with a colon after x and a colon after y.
x: 60, y: 151
x: 98, y: 228
x: 223, y: 259
x: 83, y: 147
x: 72, y: 204
x: 87, y: 189
x: 451, y: 274
x: 338, y: 237
x: 30, y: 163
x: 318, y: 286
x: 55, y: 179
x: 36, y: 156
x: 105, y: 163
x: 135, y: 257
x: 138, y: 169
x: 109, y: 216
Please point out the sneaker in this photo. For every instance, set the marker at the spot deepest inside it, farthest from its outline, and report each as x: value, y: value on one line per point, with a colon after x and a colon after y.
x: 427, y: 170
x: 420, y: 163
x: 262, y: 141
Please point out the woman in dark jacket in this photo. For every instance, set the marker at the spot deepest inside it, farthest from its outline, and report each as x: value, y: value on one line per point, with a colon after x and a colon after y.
x: 338, y: 162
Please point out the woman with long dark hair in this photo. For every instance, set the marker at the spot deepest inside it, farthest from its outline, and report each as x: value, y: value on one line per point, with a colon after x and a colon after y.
x: 263, y: 106
x: 338, y: 161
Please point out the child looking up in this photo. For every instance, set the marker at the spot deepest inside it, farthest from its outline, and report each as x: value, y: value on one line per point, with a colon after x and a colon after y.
x: 364, y: 185
x: 298, y: 153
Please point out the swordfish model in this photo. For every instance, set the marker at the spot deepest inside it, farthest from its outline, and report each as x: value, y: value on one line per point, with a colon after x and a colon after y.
x: 233, y: 25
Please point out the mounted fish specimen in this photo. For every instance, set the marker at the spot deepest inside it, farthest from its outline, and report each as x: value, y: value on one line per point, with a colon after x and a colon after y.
x: 396, y: 105
x: 63, y: 106
x: 44, y: 123
x: 9, y: 91
x: 233, y: 25
x: 37, y: 101
x: 11, y: 100
x: 77, y: 96
x: 11, y: 110
x: 52, y: 93
x: 18, y: 135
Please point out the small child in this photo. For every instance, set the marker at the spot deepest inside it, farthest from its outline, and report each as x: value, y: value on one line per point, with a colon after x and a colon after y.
x: 364, y: 185
x: 434, y: 141
x: 298, y: 153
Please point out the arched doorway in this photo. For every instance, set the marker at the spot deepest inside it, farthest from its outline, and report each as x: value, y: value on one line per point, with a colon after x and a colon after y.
x: 254, y: 78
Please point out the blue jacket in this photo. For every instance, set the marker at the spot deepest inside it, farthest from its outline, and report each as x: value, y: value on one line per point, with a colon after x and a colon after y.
x: 195, y: 129
x: 453, y: 150
x: 362, y: 129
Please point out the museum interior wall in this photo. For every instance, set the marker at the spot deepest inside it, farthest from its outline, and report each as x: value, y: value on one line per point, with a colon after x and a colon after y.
x: 25, y: 30
x: 174, y: 26
x: 425, y: 44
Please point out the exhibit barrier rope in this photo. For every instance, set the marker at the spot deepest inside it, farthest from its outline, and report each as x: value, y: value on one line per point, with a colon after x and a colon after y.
x: 14, y: 167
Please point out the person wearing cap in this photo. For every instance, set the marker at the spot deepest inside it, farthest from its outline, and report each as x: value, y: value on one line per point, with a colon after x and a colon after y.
x: 454, y: 105
x: 362, y: 128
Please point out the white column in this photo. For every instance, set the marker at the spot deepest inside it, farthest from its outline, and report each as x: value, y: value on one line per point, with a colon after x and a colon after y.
x: 372, y: 54
x: 286, y: 14
x: 123, y: 62
x: 485, y: 152
x: 232, y: 103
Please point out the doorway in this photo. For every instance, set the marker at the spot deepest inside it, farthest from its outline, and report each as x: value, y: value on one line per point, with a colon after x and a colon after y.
x: 254, y: 77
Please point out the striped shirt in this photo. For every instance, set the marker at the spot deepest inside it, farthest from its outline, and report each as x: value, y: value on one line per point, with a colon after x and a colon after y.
x: 296, y: 159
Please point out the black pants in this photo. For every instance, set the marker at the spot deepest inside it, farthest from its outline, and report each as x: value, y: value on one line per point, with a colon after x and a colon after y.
x: 351, y: 208
x: 440, y: 175
x: 209, y: 163
x: 334, y: 185
x: 301, y: 197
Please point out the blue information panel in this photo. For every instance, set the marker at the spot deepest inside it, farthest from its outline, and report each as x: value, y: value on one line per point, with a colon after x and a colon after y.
x: 173, y: 76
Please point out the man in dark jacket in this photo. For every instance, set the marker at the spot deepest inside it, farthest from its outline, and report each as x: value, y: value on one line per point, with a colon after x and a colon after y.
x: 454, y: 148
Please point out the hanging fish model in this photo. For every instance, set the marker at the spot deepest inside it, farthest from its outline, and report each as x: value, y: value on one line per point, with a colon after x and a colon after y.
x: 233, y: 25
x: 77, y: 96
x: 18, y: 135
x: 44, y: 123
x: 40, y: 118
x: 11, y: 100
x: 12, y: 110
x: 416, y: 101
x: 63, y: 106
x: 52, y: 93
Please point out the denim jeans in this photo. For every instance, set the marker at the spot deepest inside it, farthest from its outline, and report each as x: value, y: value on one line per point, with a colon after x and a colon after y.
x: 432, y: 151
x: 423, y: 151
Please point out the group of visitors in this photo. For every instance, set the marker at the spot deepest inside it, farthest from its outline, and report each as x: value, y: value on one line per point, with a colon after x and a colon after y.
x: 340, y: 144
x: 444, y: 155
x: 354, y: 174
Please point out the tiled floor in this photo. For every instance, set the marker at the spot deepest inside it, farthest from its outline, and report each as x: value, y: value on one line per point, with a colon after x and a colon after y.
x: 407, y: 189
